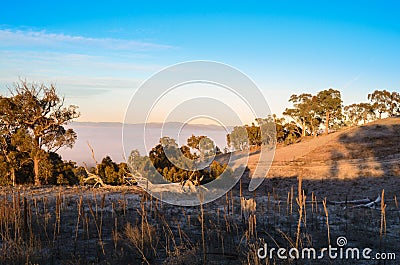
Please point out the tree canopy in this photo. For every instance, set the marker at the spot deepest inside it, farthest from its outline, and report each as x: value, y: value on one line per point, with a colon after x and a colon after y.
x: 33, y: 120
x: 384, y: 101
x: 329, y: 106
x: 358, y: 112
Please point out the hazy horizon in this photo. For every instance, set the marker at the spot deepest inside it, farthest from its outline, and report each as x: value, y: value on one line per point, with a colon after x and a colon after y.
x: 106, y: 139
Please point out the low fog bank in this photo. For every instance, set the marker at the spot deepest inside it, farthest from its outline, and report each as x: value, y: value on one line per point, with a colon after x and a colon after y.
x: 106, y: 138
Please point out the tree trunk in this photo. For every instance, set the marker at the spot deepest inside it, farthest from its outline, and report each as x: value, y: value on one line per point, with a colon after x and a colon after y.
x: 13, y: 176
x: 313, y: 132
x: 36, y: 170
x: 327, y: 123
x: 303, y: 129
x: 12, y: 170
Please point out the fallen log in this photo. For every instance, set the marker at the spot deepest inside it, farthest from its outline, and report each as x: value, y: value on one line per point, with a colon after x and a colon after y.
x: 361, y: 201
x: 370, y: 204
x: 98, y: 181
x: 90, y: 176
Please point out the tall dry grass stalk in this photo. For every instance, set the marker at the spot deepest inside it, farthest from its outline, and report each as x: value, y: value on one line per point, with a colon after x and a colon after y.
x: 98, y: 224
x: 79, y: 210
x: 301, y: 202
x: 201, y: 199
x: 232, y: 203
x: 115, y: 234
x: 383, y: 216
x: 248, y: 208
x: 134, y: 236
x: 287, y: 203
x: 327, y: 221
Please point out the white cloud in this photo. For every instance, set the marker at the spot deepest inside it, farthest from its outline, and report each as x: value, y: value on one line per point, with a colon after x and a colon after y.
x: 29, y: 38
x: 57, y: 63
x: 97, y: 74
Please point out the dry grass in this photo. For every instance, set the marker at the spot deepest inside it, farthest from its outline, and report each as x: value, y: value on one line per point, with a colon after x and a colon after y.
x: 81, y: 226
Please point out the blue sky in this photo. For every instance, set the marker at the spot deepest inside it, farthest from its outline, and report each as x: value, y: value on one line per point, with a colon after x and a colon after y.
x: 98, y: 53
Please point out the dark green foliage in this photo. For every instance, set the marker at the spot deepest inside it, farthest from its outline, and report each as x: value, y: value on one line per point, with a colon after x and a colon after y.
x: 25, y: 174
x: 287, y: 133
x: 168, y: 166
x: 80, y: 173
x: 292, y: 132
x: 67, y: 174
x: 55, y: 171
x: 110, y: 172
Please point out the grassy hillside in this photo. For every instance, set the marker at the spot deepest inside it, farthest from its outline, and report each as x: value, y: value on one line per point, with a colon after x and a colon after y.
x: 370, y: 150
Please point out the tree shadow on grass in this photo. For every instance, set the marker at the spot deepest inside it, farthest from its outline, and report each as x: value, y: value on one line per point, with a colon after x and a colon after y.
x: 373, y: 148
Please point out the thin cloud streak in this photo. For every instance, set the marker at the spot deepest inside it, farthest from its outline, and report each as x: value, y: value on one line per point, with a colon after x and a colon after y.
x: 71, y: 62
x: 29, y: 38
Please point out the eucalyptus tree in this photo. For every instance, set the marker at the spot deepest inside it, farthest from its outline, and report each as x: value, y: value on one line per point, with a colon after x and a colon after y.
x: 384, y: 101
x: 301, y: 111
x: 329, y: 106
x: 360, y: 112
x: 38, y: 116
